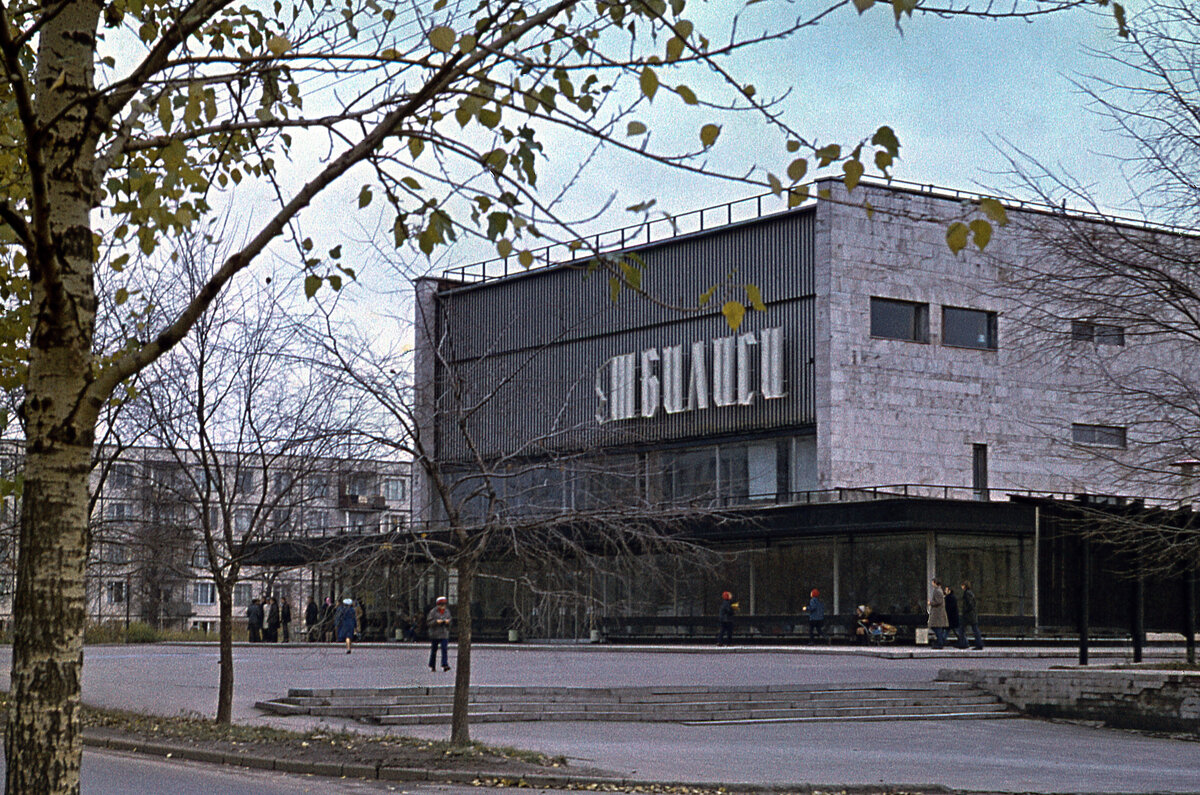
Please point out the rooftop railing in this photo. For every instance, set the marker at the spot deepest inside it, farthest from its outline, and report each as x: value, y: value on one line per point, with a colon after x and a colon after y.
x: 655, y: 230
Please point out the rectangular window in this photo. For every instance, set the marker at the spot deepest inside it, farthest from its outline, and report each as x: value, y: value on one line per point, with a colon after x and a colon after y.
x: 968, y: 328
x: 979, y: 470
x: 1098, y: 435
x: 899, y: 320
x: 206, y: 593
x: 1099, y: 333
x: 120, y: 476
x: 246, y: 481
x: 118, y: 511
x: 200, y: 557
x: 393, y: 489
x: 114, y: 592
x: 242, y: 593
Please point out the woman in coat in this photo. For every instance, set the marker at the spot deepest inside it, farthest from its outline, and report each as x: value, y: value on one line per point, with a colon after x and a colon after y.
x: 938, y: 620
x: 344, y: 622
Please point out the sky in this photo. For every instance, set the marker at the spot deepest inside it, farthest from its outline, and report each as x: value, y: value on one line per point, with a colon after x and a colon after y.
x: 961, y: 94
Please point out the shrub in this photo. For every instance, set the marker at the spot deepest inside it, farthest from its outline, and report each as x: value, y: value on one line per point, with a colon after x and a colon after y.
x: 141, y: 632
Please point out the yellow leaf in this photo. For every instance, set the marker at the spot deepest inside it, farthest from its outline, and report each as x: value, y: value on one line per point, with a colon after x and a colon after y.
x: 956, y: 236
x: 635, y: 128
x: 278, y: 45
x: 755, y: 296
x: 776, y: 185
x: 981, y: 232
x: 995, y: 210
x: 708, y: 134
x: 854, y: 172
x: 797, y: 169
x: 734, y: 312
x: 525, y: 258
x: 442, y: 38
x: 649, y: 81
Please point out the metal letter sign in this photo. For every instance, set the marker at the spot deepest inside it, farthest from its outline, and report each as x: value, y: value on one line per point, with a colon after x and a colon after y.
x: 639, y: 384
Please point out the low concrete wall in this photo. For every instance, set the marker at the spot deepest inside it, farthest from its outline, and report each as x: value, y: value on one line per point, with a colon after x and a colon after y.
x: 1124, y: 698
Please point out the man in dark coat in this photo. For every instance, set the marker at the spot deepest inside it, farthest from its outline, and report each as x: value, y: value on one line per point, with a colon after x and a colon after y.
x: 970, y: 612
x: 285, y: 619
x: 254, y: 618
x: 272, y: 621
x: 311, y: 616
x: 953, y: 617
x: 438, y: 620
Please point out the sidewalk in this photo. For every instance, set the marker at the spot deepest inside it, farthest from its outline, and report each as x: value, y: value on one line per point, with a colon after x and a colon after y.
x: 1016, y: 755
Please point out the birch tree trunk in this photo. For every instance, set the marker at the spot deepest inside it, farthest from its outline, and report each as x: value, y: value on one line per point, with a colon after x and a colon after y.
x: 42, y: 740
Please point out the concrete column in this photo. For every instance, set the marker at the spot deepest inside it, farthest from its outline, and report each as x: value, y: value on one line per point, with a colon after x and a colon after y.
x: 930, y: 560
x: 837, y: 578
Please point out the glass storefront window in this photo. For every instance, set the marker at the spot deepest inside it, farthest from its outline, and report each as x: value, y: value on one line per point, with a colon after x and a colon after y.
x: 1000, y: 570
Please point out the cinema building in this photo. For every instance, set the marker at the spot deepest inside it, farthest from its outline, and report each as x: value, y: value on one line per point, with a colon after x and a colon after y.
x: 888, y: 416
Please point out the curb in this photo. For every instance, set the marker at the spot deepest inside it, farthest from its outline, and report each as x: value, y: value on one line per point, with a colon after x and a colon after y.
x: 478, y: 778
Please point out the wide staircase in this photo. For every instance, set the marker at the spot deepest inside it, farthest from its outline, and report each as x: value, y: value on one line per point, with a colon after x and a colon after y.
x: 691, y: 705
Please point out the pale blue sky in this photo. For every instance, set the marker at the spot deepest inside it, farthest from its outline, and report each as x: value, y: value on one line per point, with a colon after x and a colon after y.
x: 954, y: 90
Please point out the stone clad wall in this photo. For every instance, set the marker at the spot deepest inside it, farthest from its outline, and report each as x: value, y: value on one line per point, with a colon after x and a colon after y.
x: 1133, y: 699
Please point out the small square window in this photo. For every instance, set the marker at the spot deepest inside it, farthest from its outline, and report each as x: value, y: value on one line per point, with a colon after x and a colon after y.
x: 1099, y: 333
x: 115, y: 592
x: 968, y: 328
x: 899, y: 320
x: 1098, y: 435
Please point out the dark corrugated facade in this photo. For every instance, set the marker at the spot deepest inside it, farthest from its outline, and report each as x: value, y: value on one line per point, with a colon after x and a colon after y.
x: 538, y: 341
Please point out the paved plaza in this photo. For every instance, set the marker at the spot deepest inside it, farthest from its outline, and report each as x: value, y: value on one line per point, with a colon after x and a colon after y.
x: 1016, y: 755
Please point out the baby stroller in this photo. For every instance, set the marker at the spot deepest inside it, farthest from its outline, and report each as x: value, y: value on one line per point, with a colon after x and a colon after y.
x: 870, y: 629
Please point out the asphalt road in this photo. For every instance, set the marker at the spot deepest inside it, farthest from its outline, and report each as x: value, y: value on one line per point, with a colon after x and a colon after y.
x: 979, y: 755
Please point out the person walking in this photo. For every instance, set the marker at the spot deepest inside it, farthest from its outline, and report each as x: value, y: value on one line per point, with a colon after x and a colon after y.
x: 344, y: 622
x: 254, y: 620
x: 937, y: 614
x: 285, y: 619
x: 816, y: 616
x: 438, y: 621
x: 311, y: 616
x: 952, y: 617
x: 970, y: 614
x: 725, y: 619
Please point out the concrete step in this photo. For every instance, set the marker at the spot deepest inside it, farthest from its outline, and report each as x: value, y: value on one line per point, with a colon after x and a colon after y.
x: 408, y: 706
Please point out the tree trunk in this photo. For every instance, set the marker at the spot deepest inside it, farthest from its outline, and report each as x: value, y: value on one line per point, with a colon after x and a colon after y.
x: 460, y: 726
x: 225, y: 627
x: 42, y: 740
